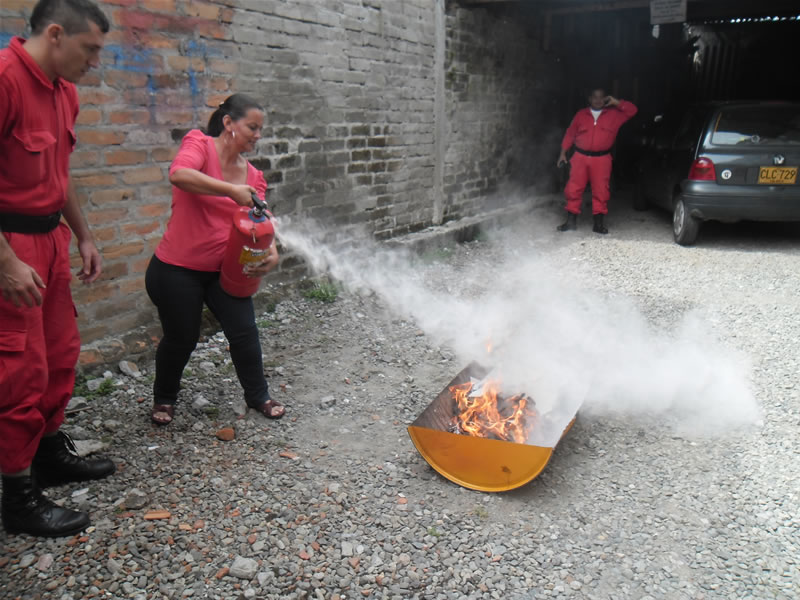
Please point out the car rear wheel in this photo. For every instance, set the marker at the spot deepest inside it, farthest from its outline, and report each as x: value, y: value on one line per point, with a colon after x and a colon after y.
x: 685, y: 227
x: 639, y: 199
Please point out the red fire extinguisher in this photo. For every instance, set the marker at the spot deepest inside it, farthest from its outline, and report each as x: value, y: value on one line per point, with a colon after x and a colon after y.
x: 251, y: 236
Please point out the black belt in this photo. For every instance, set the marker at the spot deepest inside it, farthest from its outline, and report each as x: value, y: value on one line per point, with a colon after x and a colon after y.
x: 591, y: 153
x: 12, y: 223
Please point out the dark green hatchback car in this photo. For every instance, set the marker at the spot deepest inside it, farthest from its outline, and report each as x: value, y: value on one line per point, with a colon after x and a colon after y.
x: 726, y: 162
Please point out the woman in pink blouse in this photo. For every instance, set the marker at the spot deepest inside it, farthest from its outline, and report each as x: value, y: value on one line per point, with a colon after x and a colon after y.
x: 211, y: 180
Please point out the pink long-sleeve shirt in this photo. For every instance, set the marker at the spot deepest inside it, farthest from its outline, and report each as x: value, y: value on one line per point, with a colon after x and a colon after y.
x: 199, y: 226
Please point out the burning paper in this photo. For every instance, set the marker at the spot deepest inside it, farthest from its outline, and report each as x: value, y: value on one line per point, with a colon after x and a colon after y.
x: 481, y: 410
x: 479, y: 437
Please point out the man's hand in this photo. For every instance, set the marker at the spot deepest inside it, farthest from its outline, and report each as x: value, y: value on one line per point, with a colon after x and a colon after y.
x: 20, y: 283
x: 610, y: 101
x: 562, y: 158
x: 86, y: 248
x: 92, y: 263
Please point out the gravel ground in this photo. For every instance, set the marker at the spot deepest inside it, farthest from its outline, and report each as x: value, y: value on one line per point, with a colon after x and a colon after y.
x: 333, y: 501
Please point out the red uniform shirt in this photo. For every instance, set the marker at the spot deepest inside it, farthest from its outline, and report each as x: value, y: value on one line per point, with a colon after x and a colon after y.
x: 597, y: 136
x: 199, y: 226
x: 37, y: 134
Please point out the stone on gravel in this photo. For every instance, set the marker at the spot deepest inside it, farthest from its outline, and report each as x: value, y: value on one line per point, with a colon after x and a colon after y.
x: 45, y: 562
x: 327, y: 402
x: 111, y: 425
x: 76, y: 403
x: 87, y: 447
x: 226, y: 434
x: 243, y: 568
x: 136, y: 499
x: 26, y: 561
x: 239, y: 407
x: 200, y: 402
x: 113, y: 566
x: 79, y: 492
x: 94, y: 384
x: 130, y: 369
x: 77, y: 432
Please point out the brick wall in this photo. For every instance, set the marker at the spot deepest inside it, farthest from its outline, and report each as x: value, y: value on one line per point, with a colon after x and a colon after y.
x: 349, y: 87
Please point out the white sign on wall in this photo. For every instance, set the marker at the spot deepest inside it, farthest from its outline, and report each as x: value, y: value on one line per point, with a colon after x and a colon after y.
x: 667, y: 11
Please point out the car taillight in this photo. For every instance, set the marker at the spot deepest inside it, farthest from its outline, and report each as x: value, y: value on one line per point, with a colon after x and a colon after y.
x: 702, y: 170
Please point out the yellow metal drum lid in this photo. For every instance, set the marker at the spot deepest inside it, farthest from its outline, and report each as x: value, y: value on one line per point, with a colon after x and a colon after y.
x: 479, y: 463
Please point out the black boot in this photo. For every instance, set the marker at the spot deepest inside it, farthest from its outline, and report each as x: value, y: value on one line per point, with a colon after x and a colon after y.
x: 570, y: 224
x: 599, y: 226
x: 26, y: 510
x: 57, y: 462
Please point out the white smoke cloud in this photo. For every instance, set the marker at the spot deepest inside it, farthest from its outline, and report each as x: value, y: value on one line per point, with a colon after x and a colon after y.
x: 564, y: 345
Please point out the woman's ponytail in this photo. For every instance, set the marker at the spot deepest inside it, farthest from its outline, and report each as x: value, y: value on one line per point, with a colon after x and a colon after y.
x: 236, y: 106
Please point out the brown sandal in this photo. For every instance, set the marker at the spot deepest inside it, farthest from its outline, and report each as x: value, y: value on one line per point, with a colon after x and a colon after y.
x: 271, y: 409
x: 162, y: 409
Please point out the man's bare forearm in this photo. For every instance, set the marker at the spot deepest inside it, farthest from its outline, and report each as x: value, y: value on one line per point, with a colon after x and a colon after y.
x: 74, y: 215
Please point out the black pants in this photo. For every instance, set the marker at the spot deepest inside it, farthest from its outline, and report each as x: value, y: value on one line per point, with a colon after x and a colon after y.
x: 179, y: 294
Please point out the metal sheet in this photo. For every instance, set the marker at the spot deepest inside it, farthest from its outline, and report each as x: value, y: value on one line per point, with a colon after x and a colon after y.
x: 476, y: 463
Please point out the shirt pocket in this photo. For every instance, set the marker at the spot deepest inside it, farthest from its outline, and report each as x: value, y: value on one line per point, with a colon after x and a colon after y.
x: 607, y: 129
x: 31, y: 155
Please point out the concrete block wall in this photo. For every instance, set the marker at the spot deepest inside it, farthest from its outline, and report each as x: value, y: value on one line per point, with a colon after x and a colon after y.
x: 349, y: 88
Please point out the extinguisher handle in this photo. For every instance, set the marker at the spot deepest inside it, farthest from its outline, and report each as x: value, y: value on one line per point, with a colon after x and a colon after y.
x: 259, y: 207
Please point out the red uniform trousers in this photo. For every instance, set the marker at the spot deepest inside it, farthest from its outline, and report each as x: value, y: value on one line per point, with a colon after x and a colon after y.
x: 588, y: 169
x: 39, y: 348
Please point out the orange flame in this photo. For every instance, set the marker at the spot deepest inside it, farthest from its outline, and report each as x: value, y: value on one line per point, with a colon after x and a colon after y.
x: 489, y: 415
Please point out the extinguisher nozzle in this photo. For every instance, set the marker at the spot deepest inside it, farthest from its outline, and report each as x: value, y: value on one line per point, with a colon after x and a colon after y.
x: 259, y: 207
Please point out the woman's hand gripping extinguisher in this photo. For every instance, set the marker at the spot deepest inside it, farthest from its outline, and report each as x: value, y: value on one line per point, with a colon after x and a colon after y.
x: 251, y: 236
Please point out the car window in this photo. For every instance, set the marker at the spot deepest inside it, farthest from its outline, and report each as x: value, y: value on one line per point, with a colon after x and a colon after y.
x: 758, y: 125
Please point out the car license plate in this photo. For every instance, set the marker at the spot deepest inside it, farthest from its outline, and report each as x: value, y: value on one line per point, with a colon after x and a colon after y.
x: 777, y: 175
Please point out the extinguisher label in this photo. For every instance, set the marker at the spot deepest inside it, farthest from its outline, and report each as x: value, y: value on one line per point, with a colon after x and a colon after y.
x: 252, y: 255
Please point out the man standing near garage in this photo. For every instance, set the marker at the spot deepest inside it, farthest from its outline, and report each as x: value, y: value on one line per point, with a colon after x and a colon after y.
x: 593, y: 131
x: 39, y: 343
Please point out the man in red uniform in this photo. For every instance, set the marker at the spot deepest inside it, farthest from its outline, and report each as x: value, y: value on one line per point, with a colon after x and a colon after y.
x: 39, y: 342
x: 592, y: 132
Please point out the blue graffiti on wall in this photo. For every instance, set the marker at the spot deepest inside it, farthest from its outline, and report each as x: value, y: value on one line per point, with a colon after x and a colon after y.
x: 194, y: 49
x: 131, y: 59
x: 5, y: 38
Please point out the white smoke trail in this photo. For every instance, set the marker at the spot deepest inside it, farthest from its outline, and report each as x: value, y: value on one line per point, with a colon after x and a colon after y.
x: 563, y: 346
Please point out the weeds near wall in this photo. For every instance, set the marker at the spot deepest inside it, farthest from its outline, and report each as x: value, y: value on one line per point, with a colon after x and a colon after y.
x: 323, y: 291
x: 82, y: 389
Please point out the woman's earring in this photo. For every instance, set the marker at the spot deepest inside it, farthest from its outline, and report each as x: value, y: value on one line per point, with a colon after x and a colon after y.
x: 233, y: 134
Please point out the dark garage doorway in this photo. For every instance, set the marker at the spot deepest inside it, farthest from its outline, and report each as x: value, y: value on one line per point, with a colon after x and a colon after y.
x: 726, y: 50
